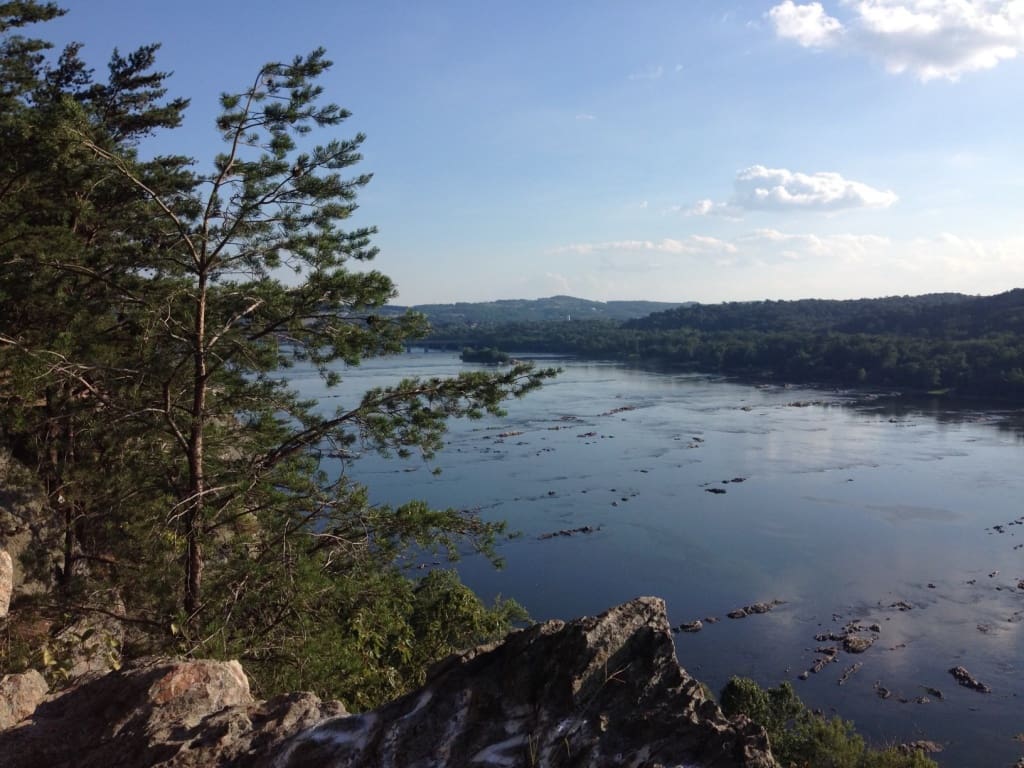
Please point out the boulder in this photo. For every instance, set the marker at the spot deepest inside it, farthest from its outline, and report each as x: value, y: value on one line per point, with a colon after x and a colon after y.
x: 158, y: 712
x: 19, y: 696
x: 602, y: 691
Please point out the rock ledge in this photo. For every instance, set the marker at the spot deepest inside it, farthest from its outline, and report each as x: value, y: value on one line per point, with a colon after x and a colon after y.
x: 601, y: 691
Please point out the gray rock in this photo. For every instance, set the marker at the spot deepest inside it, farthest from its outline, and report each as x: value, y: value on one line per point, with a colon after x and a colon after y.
x: 604, y: 691
x: 93, y: 642
x: 857, y: 643
x: 19, y: 696
x: 967, y: 680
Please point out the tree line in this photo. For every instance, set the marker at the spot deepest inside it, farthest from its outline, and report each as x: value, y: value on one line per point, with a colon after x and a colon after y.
x: 956, y: 344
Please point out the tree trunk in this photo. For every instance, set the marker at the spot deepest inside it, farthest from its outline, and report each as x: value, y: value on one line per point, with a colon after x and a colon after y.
x: 197, y: 483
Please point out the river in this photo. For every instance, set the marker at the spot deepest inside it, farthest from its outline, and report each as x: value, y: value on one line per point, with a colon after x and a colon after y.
x: 846, y: 507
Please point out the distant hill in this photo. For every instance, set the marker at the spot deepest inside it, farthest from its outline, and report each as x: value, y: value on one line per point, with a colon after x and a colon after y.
x: 936, y: 315
x: 538, y: 310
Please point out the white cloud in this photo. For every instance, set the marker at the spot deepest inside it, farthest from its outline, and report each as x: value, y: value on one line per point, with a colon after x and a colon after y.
x: 585, y: 116
x: 777, y: 188
x: 780, y: 264
x: 758, y: 188
x: 933, y: 39
x: 808, y: 24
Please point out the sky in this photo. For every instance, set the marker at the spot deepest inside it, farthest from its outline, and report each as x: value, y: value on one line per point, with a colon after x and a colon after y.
x: 692, y: 150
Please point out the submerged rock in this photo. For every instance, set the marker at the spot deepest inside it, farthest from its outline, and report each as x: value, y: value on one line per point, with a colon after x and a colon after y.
x: 848, y: 672
x: 569, y: 532
x: 921, y: 745
x: 750, y: 610
x: 603, y: 691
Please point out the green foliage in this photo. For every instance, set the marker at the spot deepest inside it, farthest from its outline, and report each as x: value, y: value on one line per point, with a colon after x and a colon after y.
x: 487, y: 355
x: 802, y: 739
x: 364, y: 636
x: 151, y: 309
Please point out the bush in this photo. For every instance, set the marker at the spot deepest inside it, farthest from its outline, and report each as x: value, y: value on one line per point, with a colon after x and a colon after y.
x: 803, y: 739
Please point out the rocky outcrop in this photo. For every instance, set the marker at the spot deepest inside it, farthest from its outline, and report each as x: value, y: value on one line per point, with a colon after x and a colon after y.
x: 603, y: 691
x: 29, y: 532
x: 168, y: 713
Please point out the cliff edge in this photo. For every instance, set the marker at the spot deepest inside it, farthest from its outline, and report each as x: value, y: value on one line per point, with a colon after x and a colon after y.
x: 596, y: 691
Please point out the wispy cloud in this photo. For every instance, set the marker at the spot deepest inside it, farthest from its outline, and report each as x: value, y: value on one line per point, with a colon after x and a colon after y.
x: 846, y: 247
x: 777, y: 263
x: 933, y: 39
x: 708, y: 207
x: 586, y: 116
x: 651, y: 73
x: 759, y: 188
x: 694, y: 244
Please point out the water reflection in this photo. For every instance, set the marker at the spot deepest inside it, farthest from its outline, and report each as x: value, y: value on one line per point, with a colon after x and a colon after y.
x: 843, y: 506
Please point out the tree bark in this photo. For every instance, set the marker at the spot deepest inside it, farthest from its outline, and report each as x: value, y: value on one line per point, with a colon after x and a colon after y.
x: 197, y: 483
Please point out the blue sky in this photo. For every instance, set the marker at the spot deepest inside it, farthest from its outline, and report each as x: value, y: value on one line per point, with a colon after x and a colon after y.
x: 700, y: 150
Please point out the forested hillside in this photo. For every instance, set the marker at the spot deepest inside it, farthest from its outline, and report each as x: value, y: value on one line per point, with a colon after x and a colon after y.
x: 937, y: 316
x: 536, y: 310
x: 948, y: 343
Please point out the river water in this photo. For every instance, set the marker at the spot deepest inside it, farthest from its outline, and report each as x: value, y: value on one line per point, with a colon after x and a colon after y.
x: 846, y: 507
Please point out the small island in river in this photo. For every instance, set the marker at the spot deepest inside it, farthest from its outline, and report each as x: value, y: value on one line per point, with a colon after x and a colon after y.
x: 487, y: 355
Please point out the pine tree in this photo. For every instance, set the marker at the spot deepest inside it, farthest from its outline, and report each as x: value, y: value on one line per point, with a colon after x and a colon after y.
x: 151, y: 313
x: 66, y: 260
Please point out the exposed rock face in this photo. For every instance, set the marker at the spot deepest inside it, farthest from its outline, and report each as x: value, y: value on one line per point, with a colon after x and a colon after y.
x: 196, y: 713
x: 604, y: 691
x: 27, y: 528
x: 6, y: 582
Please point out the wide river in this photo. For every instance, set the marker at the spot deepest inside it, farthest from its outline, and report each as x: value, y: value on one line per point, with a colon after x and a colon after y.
x: 874, y: 509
